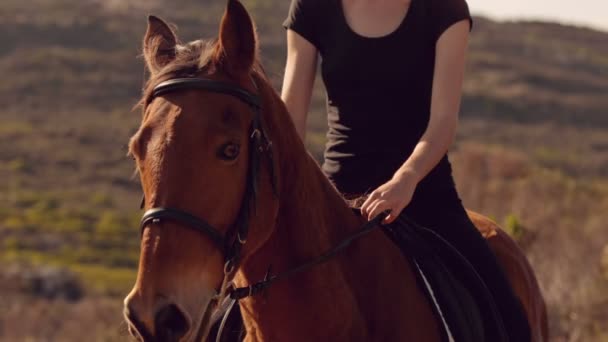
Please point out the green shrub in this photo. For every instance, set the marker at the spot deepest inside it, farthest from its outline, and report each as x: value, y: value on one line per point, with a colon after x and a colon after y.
x: 111, y: 223
x: 15, y: 222
x: 121, y: 258
x: 70, y: 224
x: 37, y: 200
x: 513, y: 227
x: 19, y: 166
x: 11, y: 244
x: 86, y: 255
x: 15, y: 128
x: 102, y: 200
x: 106, y: 280
x: 4, y: 212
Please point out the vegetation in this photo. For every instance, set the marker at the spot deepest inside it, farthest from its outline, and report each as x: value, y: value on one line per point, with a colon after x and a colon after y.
x: 532, y: 153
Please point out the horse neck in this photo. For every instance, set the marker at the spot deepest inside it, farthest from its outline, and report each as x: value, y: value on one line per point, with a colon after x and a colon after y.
x: 354, y: 296
x: 312, y: 215
x: 312, y: 219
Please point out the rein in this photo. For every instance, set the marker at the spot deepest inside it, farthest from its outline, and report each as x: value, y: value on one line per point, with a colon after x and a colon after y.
x: 251, y: 290
x: 235, y: 294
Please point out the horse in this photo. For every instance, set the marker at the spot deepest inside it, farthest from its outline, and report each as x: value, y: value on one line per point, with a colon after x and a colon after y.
x: 230, y: 189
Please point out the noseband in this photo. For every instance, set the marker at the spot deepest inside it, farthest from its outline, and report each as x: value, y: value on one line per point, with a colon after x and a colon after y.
x: 231, y: 243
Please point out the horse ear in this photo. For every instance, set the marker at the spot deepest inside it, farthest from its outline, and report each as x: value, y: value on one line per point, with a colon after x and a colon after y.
x: 159, y: 44
x: 238, y: 40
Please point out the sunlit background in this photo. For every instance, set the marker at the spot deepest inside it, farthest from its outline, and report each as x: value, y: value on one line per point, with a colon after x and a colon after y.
x: 531, y: 151
x: 590, y: 13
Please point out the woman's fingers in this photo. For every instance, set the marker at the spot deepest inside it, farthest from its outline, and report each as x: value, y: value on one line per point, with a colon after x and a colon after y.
x: 377, y: 208
x: 390, y: 217
x: 365, y: 208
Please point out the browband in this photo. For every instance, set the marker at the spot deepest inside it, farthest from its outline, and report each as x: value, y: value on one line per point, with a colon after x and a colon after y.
x: 177, y: 84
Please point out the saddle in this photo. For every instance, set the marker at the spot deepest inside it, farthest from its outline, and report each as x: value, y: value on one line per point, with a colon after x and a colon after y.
x: 460, y: 298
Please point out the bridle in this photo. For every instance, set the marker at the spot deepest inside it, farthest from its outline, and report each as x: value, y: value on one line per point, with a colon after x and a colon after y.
x: 230, y: 245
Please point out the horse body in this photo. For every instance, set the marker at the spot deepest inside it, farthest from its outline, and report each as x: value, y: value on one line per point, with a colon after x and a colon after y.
x: 364, y: 294
x: 353, y: 297
x: 187, y: 152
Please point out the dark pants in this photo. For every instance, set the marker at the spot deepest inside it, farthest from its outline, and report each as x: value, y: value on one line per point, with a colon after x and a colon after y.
x: 449, y: 220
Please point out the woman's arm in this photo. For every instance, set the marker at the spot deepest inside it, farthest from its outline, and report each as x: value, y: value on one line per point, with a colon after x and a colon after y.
x: 300, y: 72
x: 445, y: 103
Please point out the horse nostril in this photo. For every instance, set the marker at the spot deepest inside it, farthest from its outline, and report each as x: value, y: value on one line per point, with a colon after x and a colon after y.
x: 171, y: 323
x: 136, y: 328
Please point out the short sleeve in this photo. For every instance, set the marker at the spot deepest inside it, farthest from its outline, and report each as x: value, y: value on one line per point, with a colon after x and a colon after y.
x: 448, y: 12
x: 302, y: 18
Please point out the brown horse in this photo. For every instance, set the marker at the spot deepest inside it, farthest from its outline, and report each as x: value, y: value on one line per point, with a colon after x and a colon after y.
x: 193, y: 153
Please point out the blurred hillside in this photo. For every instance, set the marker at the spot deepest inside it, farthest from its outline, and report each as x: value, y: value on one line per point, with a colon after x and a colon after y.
x: 532, y: 153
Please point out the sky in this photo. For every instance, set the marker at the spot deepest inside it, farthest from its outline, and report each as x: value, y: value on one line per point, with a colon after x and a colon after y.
x: 590, y: 13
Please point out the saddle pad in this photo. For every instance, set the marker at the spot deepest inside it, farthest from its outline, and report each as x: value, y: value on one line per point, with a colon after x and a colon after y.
x: 451, y: 283
x: 436, y: 307
x: 458, y: 294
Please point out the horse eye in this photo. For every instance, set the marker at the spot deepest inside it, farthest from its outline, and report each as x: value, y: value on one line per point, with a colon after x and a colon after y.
x: 229, y: 151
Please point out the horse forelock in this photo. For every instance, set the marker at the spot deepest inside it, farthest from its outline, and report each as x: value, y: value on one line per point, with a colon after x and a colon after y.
x: 191, y: 60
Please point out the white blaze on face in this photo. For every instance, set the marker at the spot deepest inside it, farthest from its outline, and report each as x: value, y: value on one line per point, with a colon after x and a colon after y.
x: 193, y: 298
x: 175, y: 270
x: 196, y: 306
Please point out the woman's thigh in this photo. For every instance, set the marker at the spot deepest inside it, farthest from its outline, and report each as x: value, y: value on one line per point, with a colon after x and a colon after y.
x: 452, y: 223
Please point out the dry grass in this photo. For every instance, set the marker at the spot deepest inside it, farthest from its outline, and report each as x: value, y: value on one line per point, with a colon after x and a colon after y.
x: 564, y: 230
x: 96, y: 319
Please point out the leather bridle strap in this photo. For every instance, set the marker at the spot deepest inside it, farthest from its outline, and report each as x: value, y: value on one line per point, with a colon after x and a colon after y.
x: 230, y: 244
x: 212, y: 86
x: 155, y: 215
x: 236, y: 294
x: 248, y: 291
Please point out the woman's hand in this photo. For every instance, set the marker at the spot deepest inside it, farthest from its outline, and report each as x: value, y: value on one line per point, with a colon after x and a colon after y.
x: 393, y: 196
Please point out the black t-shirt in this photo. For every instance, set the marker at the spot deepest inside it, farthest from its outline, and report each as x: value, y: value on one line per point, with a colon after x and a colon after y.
x: 378, y: 90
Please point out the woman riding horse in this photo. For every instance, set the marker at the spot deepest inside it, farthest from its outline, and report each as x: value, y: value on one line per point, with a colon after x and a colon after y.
x: 232, y: 196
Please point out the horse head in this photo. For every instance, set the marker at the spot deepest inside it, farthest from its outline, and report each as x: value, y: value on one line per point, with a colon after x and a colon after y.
x: 204, y: 158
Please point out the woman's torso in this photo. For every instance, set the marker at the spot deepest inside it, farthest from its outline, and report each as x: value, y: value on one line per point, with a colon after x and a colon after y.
x: 378, y: 94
